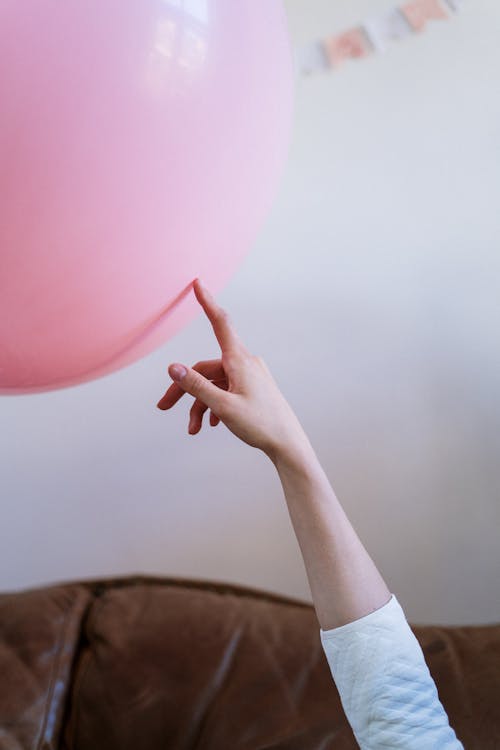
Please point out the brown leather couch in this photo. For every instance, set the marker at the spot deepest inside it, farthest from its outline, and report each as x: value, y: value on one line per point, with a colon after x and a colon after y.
x: 145, y: 663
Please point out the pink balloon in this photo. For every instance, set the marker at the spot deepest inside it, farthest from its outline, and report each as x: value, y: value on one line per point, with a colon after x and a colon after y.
x: 141, y: 145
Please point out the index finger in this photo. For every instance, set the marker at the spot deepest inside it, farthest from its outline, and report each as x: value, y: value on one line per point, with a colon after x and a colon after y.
x: 226, y: 335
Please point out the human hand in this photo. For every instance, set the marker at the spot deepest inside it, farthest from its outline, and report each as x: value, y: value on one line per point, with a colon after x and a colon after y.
x: 238, y: 389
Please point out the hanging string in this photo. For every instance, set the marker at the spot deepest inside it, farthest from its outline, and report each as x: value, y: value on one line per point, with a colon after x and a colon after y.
x: 373, y: 35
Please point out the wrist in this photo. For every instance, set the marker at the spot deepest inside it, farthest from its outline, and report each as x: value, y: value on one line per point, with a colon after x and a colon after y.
x: 295, y: 455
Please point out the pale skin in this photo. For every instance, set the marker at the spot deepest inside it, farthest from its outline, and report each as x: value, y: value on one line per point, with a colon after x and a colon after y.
x: 240, y: 391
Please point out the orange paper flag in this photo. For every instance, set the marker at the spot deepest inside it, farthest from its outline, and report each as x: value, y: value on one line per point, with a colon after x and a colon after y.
x: 418, y: 12
x: 352, y: 43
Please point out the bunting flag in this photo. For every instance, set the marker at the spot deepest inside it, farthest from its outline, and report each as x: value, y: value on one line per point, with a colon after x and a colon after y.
x: 373, y: 35
x: 418, y: 12
x: 352, y: 43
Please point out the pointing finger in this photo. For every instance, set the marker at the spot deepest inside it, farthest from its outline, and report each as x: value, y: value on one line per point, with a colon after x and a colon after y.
x: 229, y: 341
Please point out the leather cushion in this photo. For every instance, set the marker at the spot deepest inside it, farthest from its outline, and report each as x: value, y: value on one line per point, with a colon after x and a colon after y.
x: 174, y: 667
x: 38, y: 638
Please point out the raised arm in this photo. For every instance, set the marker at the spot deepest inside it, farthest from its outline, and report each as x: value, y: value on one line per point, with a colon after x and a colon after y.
x: 387, y: 692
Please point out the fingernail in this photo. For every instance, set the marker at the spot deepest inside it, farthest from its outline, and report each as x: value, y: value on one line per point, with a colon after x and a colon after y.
x: 204, y: 288
x: 177, y: 372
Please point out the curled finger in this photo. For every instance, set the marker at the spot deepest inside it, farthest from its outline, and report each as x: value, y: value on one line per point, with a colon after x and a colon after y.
x: 210, y: 368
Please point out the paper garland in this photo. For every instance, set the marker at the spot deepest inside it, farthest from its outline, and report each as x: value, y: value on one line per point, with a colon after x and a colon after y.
x: 373, y: 35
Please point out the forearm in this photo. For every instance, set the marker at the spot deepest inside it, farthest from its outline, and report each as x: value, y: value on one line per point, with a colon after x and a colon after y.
x: 345, y: 583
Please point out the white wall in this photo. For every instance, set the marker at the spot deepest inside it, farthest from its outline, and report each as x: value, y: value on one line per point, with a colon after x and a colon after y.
x: 373, y: 294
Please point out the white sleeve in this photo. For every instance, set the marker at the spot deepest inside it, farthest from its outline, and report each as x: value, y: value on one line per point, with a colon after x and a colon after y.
x: 386, y: 689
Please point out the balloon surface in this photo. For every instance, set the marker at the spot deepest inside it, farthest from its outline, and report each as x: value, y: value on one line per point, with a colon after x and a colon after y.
x: 141, y: 145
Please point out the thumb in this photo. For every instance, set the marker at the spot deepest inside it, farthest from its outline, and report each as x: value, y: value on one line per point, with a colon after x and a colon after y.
x: 197, y: 385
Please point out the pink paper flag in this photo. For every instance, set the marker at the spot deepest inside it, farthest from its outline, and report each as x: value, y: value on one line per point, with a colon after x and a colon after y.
x: 352, y: 43
x: 418, y: 12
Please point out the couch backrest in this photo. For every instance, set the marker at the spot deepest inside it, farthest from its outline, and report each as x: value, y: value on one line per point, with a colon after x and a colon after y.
x: 154, y: 663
